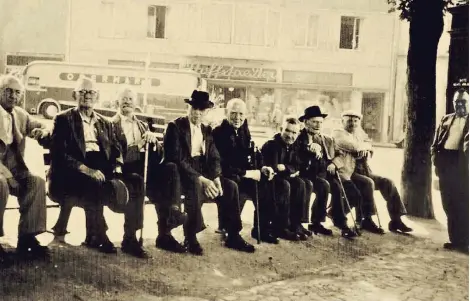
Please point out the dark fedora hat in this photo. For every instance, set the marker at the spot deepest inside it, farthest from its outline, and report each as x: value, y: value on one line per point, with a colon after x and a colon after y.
x: 200, y: 100
x: 313, y: 111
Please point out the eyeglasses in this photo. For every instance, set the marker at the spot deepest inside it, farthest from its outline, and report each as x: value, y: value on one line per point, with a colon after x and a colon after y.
x: 83, y: 92
x: 11, y: 91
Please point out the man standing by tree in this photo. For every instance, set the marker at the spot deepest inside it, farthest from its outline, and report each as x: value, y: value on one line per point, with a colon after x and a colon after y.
x: 451, y: 161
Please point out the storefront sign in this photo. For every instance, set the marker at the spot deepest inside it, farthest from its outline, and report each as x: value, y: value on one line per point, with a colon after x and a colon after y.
x: 216, y: 71
x: 110, y: 79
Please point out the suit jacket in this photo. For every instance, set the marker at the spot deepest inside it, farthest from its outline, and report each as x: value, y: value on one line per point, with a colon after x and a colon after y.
x: 68, y: 144
x: 234, y: 149
x: 442, y: 132
x: 177, y: 149
x: 276, y: 151
x: 310, y: 165
x: 24, y: 125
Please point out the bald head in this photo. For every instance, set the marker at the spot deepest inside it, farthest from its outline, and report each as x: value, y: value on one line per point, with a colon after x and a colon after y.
x: 11, y: 90
x: 86, y: 93
x: 236, y: 112
x: 126, y: 99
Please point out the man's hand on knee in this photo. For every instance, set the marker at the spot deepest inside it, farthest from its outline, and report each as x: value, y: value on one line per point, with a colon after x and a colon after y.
x: 209, y: 187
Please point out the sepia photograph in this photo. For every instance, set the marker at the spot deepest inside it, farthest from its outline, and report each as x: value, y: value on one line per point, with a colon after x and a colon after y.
x: 234, y: 150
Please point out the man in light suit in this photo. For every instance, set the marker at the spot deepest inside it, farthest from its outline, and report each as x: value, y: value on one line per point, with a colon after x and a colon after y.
x: 15, y: 178
x: 449, y: 153
x: 190, y: 145
x: 163, y: 182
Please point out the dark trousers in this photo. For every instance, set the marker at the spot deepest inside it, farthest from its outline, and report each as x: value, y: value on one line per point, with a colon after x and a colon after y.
x: 194, y: 198
x: 452, y: 170
x: 289, y: 195
x: 165, y: 192
x: 339, y: 204
x: 85, y: 192
x: 367, y: 186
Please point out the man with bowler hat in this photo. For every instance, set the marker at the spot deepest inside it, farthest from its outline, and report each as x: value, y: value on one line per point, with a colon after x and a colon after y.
x: 316, y: 152
x: 449, y: 153
x: 189, y: 144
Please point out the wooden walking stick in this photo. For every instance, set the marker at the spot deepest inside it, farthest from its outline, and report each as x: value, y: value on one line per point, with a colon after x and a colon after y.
x: 141, y: 239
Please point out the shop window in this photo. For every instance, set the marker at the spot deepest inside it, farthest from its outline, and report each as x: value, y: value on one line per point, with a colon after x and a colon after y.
x: 306, y: 33
x: 349, y: 34
x: 372, y: 108
x: 156, y: 21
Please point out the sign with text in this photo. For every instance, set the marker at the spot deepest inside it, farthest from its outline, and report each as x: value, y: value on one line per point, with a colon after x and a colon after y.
x: 216, y: 71
x: 110, y: 79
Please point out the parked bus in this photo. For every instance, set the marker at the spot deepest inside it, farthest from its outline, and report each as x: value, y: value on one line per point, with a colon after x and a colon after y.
x: 49, y: 85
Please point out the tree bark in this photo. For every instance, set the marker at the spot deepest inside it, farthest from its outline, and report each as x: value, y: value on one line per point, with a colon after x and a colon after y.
x: 426, y: 26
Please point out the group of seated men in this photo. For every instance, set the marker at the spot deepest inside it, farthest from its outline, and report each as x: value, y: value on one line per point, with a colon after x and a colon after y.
x: 96, y: 162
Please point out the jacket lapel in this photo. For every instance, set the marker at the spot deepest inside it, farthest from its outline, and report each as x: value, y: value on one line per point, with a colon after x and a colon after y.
x: 77, y: 129
x: 187, y: 133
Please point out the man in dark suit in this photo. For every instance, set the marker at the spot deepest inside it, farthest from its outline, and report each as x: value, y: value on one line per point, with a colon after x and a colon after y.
x: 316, y: 152
x: 15, y: 178
x: 84, y: 164
x: 190, y: 145
x: 232, y: 139
x: 290, y: 192
x: 163, y: 184
x: 449, y: 153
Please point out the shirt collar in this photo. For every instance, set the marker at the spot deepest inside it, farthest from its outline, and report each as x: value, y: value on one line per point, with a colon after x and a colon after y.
x: 128, y: 119
x: 85, y: 118
x: 4, y: 112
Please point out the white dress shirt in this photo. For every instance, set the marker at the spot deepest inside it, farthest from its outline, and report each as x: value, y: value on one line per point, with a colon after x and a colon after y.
x: 89, y: 133
x: 8, y: 125
x: 455, y: 133
x: 131, y: 130
x: 197, y: 141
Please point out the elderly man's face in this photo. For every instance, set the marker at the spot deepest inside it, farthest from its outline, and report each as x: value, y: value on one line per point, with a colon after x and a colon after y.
x: 351, y: 123
x: 196, y: 115
x: 11, y: 95
x: 86, y: 95
x: 290, y: 133
x: 460, y: 107
x: 314, y: 125
x: 236, y: 116
x: 127, y: 102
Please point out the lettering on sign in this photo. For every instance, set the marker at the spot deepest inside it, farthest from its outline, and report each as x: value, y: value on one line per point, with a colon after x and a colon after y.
x: 216, y: 71
x: 110, y: 79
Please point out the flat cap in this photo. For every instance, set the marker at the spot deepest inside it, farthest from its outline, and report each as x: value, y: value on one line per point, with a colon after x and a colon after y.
x: 352, y: 113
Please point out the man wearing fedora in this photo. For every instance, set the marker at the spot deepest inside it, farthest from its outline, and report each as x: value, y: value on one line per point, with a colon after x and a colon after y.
x: 15, y: 178
x: 449, y: 153
x: 85, y: 162
x: 353, y: 140
x: 233, y: 141
x: 190, y: 145
x: 163, y: 183
x: 316, y: 152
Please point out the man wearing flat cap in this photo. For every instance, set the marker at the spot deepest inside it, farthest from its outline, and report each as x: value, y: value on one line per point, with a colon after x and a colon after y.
x: 190, y: 145
x: 353, y: 140
x: 449, y: 153
x: 85, y: 162
x: 316, y: 152
x: 15, y: 178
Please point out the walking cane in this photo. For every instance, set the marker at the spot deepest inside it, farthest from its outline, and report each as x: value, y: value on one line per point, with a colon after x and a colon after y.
x: 141, y: 239
x: 345, y: 198
x: 378, y: 217
x: 255, y: 151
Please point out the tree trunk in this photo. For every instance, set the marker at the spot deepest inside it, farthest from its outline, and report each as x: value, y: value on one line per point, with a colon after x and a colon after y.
x: 426, y: 25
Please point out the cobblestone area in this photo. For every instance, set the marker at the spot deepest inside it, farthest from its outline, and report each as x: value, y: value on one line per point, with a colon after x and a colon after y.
x: 414, y: 274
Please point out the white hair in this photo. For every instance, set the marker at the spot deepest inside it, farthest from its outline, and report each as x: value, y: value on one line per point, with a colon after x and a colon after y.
x: 8, y: 79
x: 235, y: 101
x: 125, y: 89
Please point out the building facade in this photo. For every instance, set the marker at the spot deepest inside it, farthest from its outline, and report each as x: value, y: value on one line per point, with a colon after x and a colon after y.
x: 279, y: 56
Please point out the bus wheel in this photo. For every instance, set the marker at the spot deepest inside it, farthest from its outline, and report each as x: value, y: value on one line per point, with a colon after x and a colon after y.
x: 49, y: 110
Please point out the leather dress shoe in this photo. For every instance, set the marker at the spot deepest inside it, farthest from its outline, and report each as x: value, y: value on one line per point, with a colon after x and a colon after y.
x: 398, y: 226
x: 305, y: 231
x: 28, y: 247
x: 369, y: 225
x: 168, y: 243
x: 287, y: 235
x: 193, y: 247
x: 265, y: 237
x: 133, y: 248
x: 5, y: 258
x: 318, y: 228
x: 348, y: 233
x: 101, y: 245
x: 456, y: 247
x: 236, y: 242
